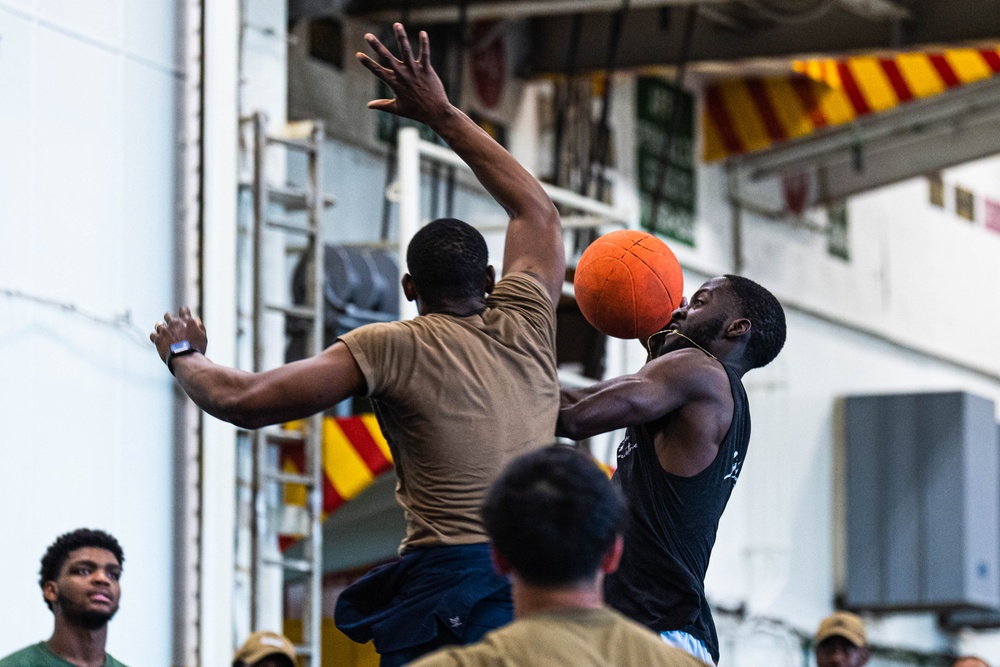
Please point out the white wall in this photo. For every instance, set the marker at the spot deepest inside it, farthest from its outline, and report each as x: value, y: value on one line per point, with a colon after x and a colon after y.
x: 87, y: 156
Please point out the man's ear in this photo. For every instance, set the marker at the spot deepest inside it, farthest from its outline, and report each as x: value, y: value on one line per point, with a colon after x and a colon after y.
x: 500, y: 564
x: 50, y: 591
x: 613, y: 556
x: 738, y: 327
x: 491, y: 279
x: 409, y: 288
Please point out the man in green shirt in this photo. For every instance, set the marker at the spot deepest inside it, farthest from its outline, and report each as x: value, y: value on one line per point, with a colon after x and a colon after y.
x: 80, y: 583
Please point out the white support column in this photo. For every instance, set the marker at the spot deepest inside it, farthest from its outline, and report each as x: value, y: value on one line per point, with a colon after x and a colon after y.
x: 221, y: 108
x: 408, y: 168
x: 187, y: 416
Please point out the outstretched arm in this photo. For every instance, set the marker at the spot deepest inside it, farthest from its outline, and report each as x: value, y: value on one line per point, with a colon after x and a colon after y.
x: 534, y: 236
x: 660, y: 387
x: 252, y: 400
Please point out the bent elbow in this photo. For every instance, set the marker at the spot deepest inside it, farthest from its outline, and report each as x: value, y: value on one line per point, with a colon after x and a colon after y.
x: 568, y: 427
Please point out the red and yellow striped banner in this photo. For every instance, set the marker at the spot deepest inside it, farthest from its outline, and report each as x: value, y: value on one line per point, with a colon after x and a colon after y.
x: 751, y: 114
x: 354, y: 454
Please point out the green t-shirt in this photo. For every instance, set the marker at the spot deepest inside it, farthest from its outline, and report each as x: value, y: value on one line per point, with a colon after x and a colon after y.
x: 39, y: 655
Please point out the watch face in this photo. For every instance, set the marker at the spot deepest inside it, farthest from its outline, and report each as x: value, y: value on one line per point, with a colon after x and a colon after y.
x: 180, y: 346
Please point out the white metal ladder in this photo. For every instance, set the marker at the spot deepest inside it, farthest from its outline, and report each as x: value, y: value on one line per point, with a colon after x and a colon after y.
x: 269, y: 482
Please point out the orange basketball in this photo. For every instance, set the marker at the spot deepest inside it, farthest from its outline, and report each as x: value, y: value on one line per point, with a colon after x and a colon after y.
x: 627, y: 283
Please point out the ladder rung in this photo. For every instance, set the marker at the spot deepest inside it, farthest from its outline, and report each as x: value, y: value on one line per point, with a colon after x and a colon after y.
x: 371, y: 245
x: 289, y: 227
x: 285, y: 436
x: 290, y: 478
x: 303, y: 145
x: 290, y: 198
x: 294, y: 311
x: 297, y: 564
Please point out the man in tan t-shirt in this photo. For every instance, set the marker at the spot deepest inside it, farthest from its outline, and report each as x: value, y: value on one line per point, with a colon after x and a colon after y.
x: 555, y: 520
x: 459, y: 391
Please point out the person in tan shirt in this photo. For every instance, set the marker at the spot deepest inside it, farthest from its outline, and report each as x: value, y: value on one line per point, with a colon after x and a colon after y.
x: 459, y: 391
x: 555, y: 520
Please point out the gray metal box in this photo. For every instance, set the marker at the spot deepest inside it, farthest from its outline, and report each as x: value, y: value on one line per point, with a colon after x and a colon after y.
x: 923, y: 502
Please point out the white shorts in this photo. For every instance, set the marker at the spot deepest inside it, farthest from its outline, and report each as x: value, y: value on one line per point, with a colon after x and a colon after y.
x: 688, y: 644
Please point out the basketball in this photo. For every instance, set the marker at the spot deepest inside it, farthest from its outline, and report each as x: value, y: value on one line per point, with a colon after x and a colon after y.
x: 627, y: 283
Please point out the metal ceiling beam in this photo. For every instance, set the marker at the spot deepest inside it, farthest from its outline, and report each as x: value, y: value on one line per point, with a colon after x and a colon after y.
x: 449, y: 13
x: 877, y: 9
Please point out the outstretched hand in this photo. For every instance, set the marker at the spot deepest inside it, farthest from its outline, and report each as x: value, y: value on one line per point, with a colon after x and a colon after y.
x: 174, y: 329
x: 420, y: 94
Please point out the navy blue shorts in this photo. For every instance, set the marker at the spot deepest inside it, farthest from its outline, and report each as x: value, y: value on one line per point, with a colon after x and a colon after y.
x: 431, y: 597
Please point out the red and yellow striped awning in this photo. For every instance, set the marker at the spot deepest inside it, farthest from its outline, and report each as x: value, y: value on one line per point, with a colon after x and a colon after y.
x: 354, y: 454
x: 750, y: 114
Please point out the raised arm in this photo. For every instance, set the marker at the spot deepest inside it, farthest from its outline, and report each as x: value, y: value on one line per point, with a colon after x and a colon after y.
x: 252, y: 400
x: 660, y: 387
x: 534, y: 237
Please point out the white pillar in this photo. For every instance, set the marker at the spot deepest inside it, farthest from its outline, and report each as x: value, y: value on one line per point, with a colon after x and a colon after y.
x: 219, y: 196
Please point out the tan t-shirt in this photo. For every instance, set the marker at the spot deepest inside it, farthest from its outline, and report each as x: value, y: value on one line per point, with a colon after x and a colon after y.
x: 459, y: 397
x: 578, y: 637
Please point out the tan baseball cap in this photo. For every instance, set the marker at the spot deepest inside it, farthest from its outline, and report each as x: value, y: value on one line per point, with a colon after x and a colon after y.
x: 843, y: 624
x: 262, y: 644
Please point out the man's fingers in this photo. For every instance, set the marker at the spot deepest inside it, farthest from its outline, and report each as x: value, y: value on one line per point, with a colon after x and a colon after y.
x: 383, y: 105
x: 404, y: 44
x: 379, y: 48
x: 425, y: 49
x: 374, y: 67
x: 167, y: 318
x: 184, y: 312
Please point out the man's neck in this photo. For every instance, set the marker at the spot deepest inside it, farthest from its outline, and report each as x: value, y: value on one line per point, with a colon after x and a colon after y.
x: 456, y: 307
x: 532, y: 599
x: 732, y: 355
x: 77, y: 645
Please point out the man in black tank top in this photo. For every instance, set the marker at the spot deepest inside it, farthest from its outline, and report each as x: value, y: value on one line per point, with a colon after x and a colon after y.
x: 688, y: 425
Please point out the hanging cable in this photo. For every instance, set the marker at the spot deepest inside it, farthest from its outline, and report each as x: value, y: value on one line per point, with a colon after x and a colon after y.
x: 601, y: 147
x: 663, y: 163
x: 390, y: 163
x: 122, y: 321
x: 563, y: 97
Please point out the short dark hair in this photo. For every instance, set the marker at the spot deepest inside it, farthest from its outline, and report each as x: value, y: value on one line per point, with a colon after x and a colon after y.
x: 57, y: 553
x: 553, y: 514
x: 767, y: 319
x: 447, y: 259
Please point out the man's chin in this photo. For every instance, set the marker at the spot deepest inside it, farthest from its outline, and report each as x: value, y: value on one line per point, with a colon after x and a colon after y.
x: 93, y: 620
x: 671, y: 342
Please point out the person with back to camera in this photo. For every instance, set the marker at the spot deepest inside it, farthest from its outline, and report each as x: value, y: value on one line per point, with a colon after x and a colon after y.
x: 458, y: 391
x: 687, y: 422
x: 80, y: 581
x: 555, y: 521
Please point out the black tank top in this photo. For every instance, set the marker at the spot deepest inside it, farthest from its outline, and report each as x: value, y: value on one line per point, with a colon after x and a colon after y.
x: 672, y: 522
